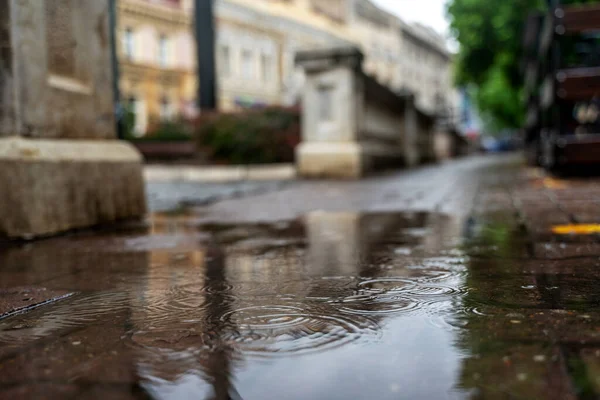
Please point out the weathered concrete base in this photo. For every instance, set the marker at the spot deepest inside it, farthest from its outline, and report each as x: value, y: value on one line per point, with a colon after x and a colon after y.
x: 52, y: 186
x: 350, y: 160
x: 331, y: 160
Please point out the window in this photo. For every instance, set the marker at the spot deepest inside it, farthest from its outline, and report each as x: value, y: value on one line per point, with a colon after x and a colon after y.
x: 389, y: 56
x: 163, y: 50
x: 128, y: 43
x: 166, y: 111
x: 137, y: 107
x: 131, y: 104
x: 265, y: 67
x: 247, y: 64
x: 375, y: 49
x: 131, y: 109
x: 225, y: 60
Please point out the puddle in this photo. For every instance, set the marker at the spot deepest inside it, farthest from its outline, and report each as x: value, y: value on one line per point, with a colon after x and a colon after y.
x: 19, y: 300
x: 329, y: 306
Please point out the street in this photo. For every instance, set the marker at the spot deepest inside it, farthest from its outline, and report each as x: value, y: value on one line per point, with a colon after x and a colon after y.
x: 474, y: 278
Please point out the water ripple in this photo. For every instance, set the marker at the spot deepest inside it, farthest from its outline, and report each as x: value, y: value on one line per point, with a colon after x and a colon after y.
x: 79, y: 310
x: 284, y: 329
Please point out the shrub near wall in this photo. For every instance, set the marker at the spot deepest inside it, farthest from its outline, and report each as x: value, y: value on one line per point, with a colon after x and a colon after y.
x: 178, y: 130
x: 167, y: 141
x: 263, y: 136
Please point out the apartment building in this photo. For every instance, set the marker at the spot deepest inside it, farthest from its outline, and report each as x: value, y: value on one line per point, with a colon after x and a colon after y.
x: 399, y: 55
x: 426, y: 67
x: 376, y: 33
x: 256, y: 43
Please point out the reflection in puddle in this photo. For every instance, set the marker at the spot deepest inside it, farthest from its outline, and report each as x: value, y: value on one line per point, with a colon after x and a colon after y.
x: 338, y: 303
x: 287, y: 329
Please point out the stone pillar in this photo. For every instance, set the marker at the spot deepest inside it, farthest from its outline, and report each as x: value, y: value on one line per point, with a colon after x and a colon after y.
x: 411, y: 129
x: 332, y: 110
x: 61, y: 166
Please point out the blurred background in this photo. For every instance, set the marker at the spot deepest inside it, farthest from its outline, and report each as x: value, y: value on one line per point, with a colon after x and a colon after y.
x: 476, y: 67
x: 252, y: 44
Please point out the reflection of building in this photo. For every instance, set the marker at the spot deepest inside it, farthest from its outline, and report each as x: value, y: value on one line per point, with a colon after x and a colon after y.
x: 266, y: 291
x: 157, y: 59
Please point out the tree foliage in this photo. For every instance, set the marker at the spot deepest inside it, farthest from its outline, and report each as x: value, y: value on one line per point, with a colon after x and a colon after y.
x: 490, y: 36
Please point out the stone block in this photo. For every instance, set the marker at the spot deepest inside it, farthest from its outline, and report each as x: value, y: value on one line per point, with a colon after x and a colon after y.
x: 61, y: 167
x: 351, y: 123
x: 52, y: 186
x: 344, y: 160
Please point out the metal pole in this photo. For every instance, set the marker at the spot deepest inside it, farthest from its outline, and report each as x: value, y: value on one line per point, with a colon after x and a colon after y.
x: 112, y: 18
x: 205, y: 53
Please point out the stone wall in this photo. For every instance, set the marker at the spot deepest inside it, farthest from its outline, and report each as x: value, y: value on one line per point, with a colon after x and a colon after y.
x: 61, y: 166
x: 58, y: 69
x: 7, y: 110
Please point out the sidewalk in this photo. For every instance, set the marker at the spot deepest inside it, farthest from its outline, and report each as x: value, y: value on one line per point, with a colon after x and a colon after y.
x: 172, y: 195
x: 449, y: 278
x: 217, y: 173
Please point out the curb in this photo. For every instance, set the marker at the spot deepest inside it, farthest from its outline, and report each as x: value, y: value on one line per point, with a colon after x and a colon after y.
x: 167, y: 173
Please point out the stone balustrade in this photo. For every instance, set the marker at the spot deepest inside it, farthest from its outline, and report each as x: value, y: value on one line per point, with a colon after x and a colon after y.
x: 351, y: 124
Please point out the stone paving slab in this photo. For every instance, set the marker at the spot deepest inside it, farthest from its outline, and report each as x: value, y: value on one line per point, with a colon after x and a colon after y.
x: 165, y: 196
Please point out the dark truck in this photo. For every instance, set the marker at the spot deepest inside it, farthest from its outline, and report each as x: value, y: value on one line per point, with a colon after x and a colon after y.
x: 561, y: 67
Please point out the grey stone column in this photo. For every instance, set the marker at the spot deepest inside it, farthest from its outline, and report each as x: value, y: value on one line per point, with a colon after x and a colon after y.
x: 61, y: 166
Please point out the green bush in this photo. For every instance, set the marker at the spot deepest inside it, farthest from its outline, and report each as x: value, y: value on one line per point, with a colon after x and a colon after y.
x: 127, y: 121
x: 253, y: 137
x: 166, y: 131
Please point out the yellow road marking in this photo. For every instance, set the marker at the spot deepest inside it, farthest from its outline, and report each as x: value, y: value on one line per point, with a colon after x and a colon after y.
x: 576, y: 229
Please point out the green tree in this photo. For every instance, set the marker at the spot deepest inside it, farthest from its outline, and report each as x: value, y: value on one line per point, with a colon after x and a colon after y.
x: 490, y: 36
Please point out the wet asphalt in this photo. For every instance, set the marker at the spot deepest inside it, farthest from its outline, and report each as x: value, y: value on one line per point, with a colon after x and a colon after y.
x: 468, y: 279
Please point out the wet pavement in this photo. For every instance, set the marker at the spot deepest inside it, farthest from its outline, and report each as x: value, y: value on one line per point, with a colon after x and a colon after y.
x: 443, y: 282
x: 167, y: 196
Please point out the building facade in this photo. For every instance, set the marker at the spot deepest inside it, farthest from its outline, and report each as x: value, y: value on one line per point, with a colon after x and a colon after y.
x: 256, y: 41
x: 157, y: 61
x: 400, y: 55
x: 426, y: 67
x: 376, y: 33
